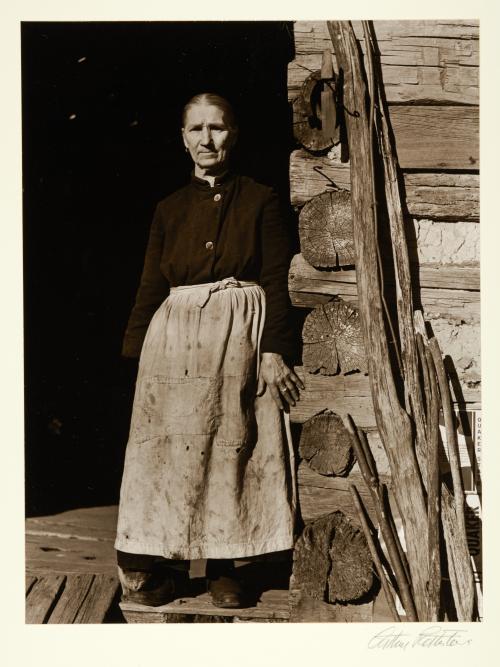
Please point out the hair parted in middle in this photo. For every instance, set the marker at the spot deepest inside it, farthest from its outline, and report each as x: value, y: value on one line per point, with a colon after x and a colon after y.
x: 215, y: 100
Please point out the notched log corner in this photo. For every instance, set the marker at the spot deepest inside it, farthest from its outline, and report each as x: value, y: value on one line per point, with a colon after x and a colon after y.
x: 325, y: 445
x: 325, y: 230
x: 333, y: 341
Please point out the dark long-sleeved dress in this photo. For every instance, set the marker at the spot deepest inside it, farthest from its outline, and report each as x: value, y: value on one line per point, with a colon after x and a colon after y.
x: 201, y: 234
x: 209, y: 467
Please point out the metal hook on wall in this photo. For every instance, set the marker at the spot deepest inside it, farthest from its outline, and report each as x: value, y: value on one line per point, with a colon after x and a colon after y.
x: 320, y: 171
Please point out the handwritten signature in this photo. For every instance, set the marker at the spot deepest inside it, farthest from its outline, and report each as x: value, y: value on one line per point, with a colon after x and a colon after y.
x: 431, y: 637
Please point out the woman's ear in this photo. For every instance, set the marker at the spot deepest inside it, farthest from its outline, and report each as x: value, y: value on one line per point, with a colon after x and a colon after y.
x: 184, y: 138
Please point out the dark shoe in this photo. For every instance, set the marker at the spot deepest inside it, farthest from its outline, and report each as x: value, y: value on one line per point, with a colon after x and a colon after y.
x: 226, y: 592
x: 155, y: 588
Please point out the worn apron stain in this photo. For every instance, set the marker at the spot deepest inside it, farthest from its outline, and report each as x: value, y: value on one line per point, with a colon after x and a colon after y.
x: 209, y: 469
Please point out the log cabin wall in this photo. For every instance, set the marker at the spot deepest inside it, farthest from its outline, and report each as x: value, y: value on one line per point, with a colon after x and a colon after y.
x: 431, y: 78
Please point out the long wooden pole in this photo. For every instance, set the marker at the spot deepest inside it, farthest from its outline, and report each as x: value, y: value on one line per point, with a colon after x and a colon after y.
x: 370, y: 478
x: 373, y: 552
x: 450, y: 507
x: 464, y: 580
x: 404, y: 296
x: 393, y: 422
x: 433, y: 481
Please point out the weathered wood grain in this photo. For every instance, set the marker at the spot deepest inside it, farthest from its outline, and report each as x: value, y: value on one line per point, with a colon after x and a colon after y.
x: 87, y: 523
x: 313, y: 37
x: 438, y: 287
x: 351, y: 394
x: 339, y: 393
x: 415, y: 70
x: 74, y: 593
x: 46, y: 553
x: 441, y: 196
x: 325, y: 230
x: 307, y: 609
x: 352, y: 565
x: 99, y: 599
x: 325, y: 445
x: 393, y: 421
x: 30, y: 580
x: 77, y: 541
x: 272, y: 605
x: 442, y: 308
x: 311, y: 557
x: 331, y: 560
x: 43, y: 597
x: 320, y: 495
x: 367, y: 530
x: 429, y: 137
x: 432, y: 277
x: 332, y: 339
x: 436, y: 137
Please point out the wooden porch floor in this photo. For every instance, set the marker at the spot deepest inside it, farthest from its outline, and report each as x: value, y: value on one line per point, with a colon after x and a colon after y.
x: 71, y: 578
x: 71, y: 567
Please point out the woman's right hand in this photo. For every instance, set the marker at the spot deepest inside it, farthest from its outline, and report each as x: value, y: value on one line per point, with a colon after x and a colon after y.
x: 283, y: 383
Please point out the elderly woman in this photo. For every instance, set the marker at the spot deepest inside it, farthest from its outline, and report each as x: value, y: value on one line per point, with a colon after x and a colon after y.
x: 209, y: 467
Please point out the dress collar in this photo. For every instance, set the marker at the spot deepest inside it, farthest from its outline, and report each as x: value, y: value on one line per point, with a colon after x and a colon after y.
x: 219, y: 180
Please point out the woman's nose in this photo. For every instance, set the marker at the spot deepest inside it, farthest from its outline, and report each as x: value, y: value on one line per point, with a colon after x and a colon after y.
x: 205, y: 135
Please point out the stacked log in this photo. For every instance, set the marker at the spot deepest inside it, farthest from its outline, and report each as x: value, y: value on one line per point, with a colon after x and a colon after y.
x: 325, y: 445
x: 332, y: 339
x: 331, y: 564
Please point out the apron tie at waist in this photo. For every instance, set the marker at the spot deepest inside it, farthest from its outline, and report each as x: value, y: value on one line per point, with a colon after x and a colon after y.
x: 207, y: 289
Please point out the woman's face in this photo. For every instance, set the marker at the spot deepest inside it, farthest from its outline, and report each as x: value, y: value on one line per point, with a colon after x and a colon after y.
x: 208, y: 138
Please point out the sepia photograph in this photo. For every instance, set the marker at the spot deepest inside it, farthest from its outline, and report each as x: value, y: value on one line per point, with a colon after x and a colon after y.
x: 252, y: 323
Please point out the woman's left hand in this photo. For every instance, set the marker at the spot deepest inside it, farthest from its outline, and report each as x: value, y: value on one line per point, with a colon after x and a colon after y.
x: 283, y: 383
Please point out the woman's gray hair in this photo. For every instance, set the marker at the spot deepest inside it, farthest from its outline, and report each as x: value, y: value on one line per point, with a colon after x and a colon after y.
x: 213, y: 100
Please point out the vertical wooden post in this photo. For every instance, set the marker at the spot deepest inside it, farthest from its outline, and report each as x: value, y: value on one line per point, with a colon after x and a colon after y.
x: 393, y: 422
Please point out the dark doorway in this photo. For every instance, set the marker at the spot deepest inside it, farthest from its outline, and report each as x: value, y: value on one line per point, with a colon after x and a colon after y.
x: 101, y: 145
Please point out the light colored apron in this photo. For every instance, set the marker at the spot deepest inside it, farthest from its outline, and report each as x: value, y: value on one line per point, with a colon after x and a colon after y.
x: 209, y: 467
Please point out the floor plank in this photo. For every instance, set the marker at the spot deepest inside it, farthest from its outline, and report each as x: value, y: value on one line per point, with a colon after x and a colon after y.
x: 42, y: 598
x: 71, y: 566
x: 30, y: 581
x: 272, y: 605
x: 75, y: 591
x: 99, y: 599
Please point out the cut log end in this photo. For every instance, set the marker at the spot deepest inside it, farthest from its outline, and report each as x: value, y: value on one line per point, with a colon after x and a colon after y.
x: 326, y: 446
x: 333, y: 340
x: 332, y: 561
x: 325, y: 230
x: 351, y: 575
